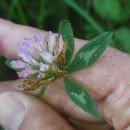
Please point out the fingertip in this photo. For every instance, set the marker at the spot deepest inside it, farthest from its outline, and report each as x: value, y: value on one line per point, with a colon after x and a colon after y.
x: 11, y: 35
x: 11, y: 110
x: 21, y: 111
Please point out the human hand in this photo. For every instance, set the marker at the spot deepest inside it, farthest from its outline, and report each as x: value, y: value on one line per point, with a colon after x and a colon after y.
x: 106, y: 81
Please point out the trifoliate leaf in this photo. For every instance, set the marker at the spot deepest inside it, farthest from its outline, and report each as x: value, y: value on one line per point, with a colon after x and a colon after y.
x: 81, y: 97
x: 67, y: 33
x: 90, y: 52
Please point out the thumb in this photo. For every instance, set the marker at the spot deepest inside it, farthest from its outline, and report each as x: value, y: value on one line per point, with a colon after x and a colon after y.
x: 19, y: 111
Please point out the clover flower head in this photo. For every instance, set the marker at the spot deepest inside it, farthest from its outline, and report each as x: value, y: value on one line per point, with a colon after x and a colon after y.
x: 42, y: 60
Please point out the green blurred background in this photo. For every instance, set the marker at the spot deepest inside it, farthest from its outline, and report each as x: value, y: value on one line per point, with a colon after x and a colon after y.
x: 88, y: 18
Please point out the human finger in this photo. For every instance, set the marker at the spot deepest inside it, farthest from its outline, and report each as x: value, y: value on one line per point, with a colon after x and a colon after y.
x: 12, y: 34
x: 19, y: 111
x: 80, y: 120
x: 93, y: 78
x: 99, y: 79
x: 9, y: 49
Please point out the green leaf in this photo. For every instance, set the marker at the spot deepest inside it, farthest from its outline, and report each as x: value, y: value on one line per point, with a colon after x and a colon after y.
x: 81, y: 97
x: 67, y: 33
x: 41, y: 92
x: 109, y: 9
x: 90, y: 52
x: 8, y: 61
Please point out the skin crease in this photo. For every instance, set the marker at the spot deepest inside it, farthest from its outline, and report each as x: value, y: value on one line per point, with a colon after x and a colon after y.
x: 107, y: 80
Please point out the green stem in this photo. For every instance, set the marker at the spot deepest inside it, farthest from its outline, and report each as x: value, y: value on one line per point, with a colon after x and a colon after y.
x: 85, y: 15
x: 41, y: 92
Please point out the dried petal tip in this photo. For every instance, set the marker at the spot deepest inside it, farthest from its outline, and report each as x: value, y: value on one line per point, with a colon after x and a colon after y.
x: 41, y: 61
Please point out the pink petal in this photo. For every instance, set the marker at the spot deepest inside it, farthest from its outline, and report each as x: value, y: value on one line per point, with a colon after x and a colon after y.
x: 41, y: 75
x: 47, y: 56
x: 26, y: 72
x: 51, y: 42
x: 61, y: 43
x: 17, y: 64
x: 37, y: 37
x: 43, y: 67
x: 54, y: 66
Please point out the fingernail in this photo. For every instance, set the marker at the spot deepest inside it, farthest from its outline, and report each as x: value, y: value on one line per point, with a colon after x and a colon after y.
x: 11, y: 110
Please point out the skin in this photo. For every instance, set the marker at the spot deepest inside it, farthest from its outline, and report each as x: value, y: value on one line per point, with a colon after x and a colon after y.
x: 107, y: 81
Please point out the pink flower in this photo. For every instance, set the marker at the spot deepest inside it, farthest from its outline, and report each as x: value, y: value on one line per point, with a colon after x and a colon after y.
x: 39, y: 56
x: 26, y: 72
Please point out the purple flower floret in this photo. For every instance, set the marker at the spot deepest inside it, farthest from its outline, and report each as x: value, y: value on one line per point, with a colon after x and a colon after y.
x: 39, y: 57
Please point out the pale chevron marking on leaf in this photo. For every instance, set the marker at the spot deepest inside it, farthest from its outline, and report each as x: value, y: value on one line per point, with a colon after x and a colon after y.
x: 80, y: 96
x: 87, y: 54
